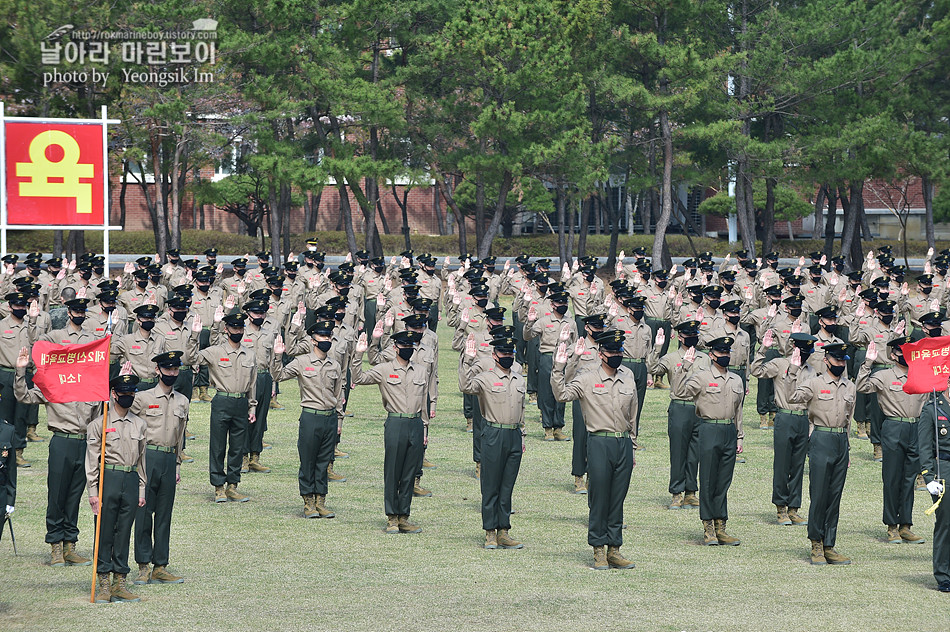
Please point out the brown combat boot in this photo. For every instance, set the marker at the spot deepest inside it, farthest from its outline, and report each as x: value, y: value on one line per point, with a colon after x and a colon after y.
x: 20, y: 461
x: 219, y: 494
x: 469, y: 425
x: 310, y: 506
x: 31, y: 435
x: 321, y: 505
x: 491, y: 539
x: 771, y: 420
x: 427, y: 464
x: 724, y: 538
x: 72, y: 558
x: 187, y: 459
x: 505, y: 541
x: 878, y: 453
x: 340, y: 454
x: 549, y: 434
x: 419, y: 491
x: 203, y: 394
x: 392, y: 523
x: 120, y: 591
x: 817, y: 553
x: 160, y: 575
x: 580, y: 487
x: 233, y: 495
x: 560, y: 436
x: 600, y: 559
x: 781, y: 512
x: 616, y: 560
x: 407, y: 527
x: 333, y: 476
x: 189, y: 435
x: 246, y: 464
x: 909, y: 536
x: 690, y: 500
x: 103, y: 591
x: 194, y: 393
x: 658, y: 383
x: 144, y: 573
x: 709, y: 534
x: 863, y: 430
x: 478, y: 471
x: 56, y: 555
x: 255, y: 464
x: 677, y: 502
x: 795, y: 517
x: 833, y: 557
x: 275, y: 405
x: 893, y: 535
x: 763, y: 422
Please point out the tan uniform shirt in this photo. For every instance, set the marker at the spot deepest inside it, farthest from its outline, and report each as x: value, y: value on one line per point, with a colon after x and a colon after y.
x: 165, y: 416
x: 718, y: 394
x: 638, y: 338
x: 830, y: 400
x: 125, y: 445
x: 777, y: 370
x: 671, y: 365
x: 178, y: 337
x: 70, y: 418
x: 549, y: 329
x: 608, y: 402
x: 13, y: 337
x: 889, y: 385
x: 500, y: 394
x: 139, y: 348
x: 320, y: 380
x: 403, y: 388
x: 97, y: 321
x: 69, y: 336
x: 231, y: 370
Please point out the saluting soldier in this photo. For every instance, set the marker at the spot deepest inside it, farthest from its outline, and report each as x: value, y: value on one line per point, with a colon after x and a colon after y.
x: 124, y: 480
x: 933, y: 441
x: 550, y: 329
x: 501, y: 392
x: 17, y: 330
x: 901, y: 463
x: 140, y: 346
x: 829, y: 397
x: 320, y: 378
x: 608, y: 397
x: 233, y: 373
x: 403, y: 385
x: 204, y: 301
x: 165, y: 412
x: 583, y: 357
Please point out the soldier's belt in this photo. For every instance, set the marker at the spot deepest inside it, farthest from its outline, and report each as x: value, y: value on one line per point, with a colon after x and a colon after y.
x: 656, y: 320
x: 682, y: 402
x: 789, y: 411
x: 66, y: 435
x: 405, y: 415
x: 122, y: 468
x: 263, y: 371
x: 737, y: 368
x: 314, y: 411
x: 717, y: 421
x: 161, y: 448
x: 634, y: 360
x: 152, y: 382
x: 607, y: 433
x: 227, y: 394
x: 7, y: 369
x: 509, y: 426
x: 906, y: 420
x: 834, y: 430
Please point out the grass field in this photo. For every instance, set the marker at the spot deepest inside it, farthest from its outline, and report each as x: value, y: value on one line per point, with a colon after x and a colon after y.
x: 261, y: 566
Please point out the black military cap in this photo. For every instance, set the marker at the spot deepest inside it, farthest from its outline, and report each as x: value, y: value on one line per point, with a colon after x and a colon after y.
x: 816, y: 270
x: 124, y: 383
x: 235, y: 320
x: 153, y: 270
x: 896, y: 343
x: 496, y: 313
x: 107, y: 296
x: 55, y: 262
x: 727, y: 275
x: 411, y: 289
x: 275, y: 280
x: 269, y: 270
x: 722, y: 344
x: 192, y: 264
x: 793, y: 301
x: 838, y: 351
x: 870, y: 294
x: 409, y: 278
x: 705, y: 265
x: 146, y: 311
x: 771, y: 256
x: 239, y: 263
x: 713, y: 290
x: 489, y: 261
x: 750, y: 265
x: 17, y: 298
x: 313, y: 241
x: 322, y: 327
x: 317, y: 256
x: 816, y: 255
x: 261, y: 294
x: 21, y: 282
x: 556, y: 286
x: 168, y: 360
x: 361, y: 254
x: 264, y: 254
x: 639, y: 250
x: 742, y: 254
x: 828, y: 311
x: 77, y: 304
x: 340, y: 279
x: 502, y: 331
x: 406, y: 337
x: 634, y: 302
x: 558, y: 297
x: 885, y: 249
x: 201, y: 276
x: 774, y: 289
x: 661, y: 274
x: 33, y: 289
x: 731, y: 306
x: 688, y: 326
x: 503, y: 344
x: 421, y: 304
x: 84, y: 267
x: 596, y: 320
x: 522, y: 258
x: 173, y: 252
x: 185, y: 289
x: 291, y: 266
x: 33, y: 256
x: 611, y: 340
x: 415, y: 321
x: 479, y: 290
x: 886, y: 307
x: 925, y: 279
x: 177, y: 302
x: 86, y: 257
x: 623, y: 293
x: 689, y: 263
x: 407, y: 253
x: 325, y: 312
x: 543, y: 263
x: 805, y: 342
x: 347, y: 267
x: 855, y: 275
x: 838, y: 260
x: 337, y: 302
x: 933, y: 319
x: 794, y: 280
x: 108, y: 284
x: 211, y: 252
x: 144, y: 261
x: 256, y: 306
x: 617, y: 283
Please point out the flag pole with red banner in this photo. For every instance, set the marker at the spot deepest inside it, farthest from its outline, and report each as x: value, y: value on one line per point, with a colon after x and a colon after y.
x: 102, y: 467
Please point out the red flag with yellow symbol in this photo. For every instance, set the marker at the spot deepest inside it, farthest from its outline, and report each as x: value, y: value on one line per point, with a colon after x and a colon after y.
x: 928, y: 364
x: 72, y: 373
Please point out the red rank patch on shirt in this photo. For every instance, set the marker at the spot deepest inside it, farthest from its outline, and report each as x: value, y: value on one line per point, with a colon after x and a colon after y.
x: 153, y: 406
x: 8, y: 331
x: 714, y: 384
x: 599, y: 386
x: 225, y: 359
x: 248, y: 340
x: 896, y: 383
x: 100, y: 328
x: 66, y: 342
x: 549, y: 326
x: 110, y: 429
x: 393, y: 376
x: 484, y: 344
x: 786, y: 331
x: 582, y: 294
x: 497, y: 384
x: 825, y: 391
x: 136, y: 346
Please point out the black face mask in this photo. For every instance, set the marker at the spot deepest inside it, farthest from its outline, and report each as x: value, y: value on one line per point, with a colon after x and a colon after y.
x: 125, y: 401
x: 168, y: 380
x: 714, y: 303
x: 542, y: 290
x: 86, y: 275
x: 212, y: 260
x: 344, y: 291
x: 855, y: 286
x: 723, y: 361
x: 147, y: 325
x: 257, y: 321
x: 589, y: 277
x: 662, y: 284
x: 18, y: 312
x: 98, y: 271
x: 108, y: 309
x: 773, y: 265
x: 794, y: 291
x: 338, y: 316
x: 324, y: 345
x: 926, y: 290
x: 637, y: 314
x: 900, y: 360
x: 887, y: 318
x: 406, y: 353
x: 236, y: 337
x: 795, y: 313
x: 613, y: 362
x: 239, y: 272
x: 319, y: 266
x: 816, y: 280
x: 490, y: 269
x: 203, y: 287
x: 505, y: 362
x: 292, y: 277
x: 155, y: 279
x: 775, y: 300
x: 804, y: 355
x: 836, y: 370
x: 690, y: 341
x: 734, y: 319
x: 78, y: 320
x: 560, y: 309
x: 277, y: 292
x: 143, y: 283
x: 34, y: 272
x: 430, y: 272
x: 179, y: 316
x: 696, y: 298
x: 727, y: 287
x: 481, y: 302
x: 379, y: 269
x: 832, y: 329
x: 935, y: 332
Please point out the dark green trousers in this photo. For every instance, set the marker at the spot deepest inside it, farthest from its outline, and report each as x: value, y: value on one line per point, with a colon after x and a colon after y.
x: 120, y: 499
x: 827, y: 471
x: 609, y: 465
x: 256, y: 430
x: 65, y: 482
x: 683, y: 430
x: 717, y: 461
x: 228, y: 434
x: 478, y: 430
x: 501, y: 461
x: 27, y: 414
x: 402, y: 440
x: 579, y: 435
x: 10, y: 408
x: 433, y: 320
x: 153, y: 522
x: 790, y: 443
x: 765, y: 395
x: 874, y: 413
x: 639, y: 370
x: 316, y: 438
x: 753, y: 338
x: 519, y: 338
x: 552, y: 411
x: 185, y: 383
x: 941, y: 549
x: 204, y: 341
x: 369, y: 314
x: 899, y: 470
x: 531, y: 356
x: 860, y: 399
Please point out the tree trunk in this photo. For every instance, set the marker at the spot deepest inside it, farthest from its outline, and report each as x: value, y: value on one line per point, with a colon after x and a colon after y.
x: 437, y: 207
x: 830, y: 219
x: 613, y: 218
x: 857, y: 204
x: 768, y: 216
x: 849, y: 228
x: 403, y: 206
x: 480, y: 205
x: 484, y: 246
x: 457, y: 213
x: 927, y: 188
x: 663, y: 222
x: 585, y: 220
x: 175, y: 214
x: 161, y: 225
x: 346, y: 213
x: 122, y: 188
x: 57, y: 243
x: 820, y: 197
x: 560, y: 202
x: 274, y: 227
x: 382, y: 217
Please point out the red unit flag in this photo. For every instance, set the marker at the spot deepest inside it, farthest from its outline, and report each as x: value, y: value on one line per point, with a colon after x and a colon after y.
x: 72, y: 373
x: 928, y: 364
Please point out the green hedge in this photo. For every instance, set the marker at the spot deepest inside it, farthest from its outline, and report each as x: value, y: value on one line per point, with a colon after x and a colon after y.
x: 334, y: 243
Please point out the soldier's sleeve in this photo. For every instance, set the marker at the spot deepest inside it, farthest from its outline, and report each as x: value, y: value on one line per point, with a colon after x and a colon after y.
x: 140, y: 464
x: 191, y: 347
x: 532, y: 329
x: 93, y: 448
x: 180, y: 443
x: 373, y: 376
x: 22, y: 393
x: 927, y: 441
x: 865, y: 382
x: 804, y: 386
x: 468, y: 376
x: 566, y: 391
x: 763, y: 368
x: 252, y: 392
x: 655, y: 365
x: 281, y: 372
x: 693, y: 384
x: 201, y: 357
x: 375, y: 351
x: 340, y: 401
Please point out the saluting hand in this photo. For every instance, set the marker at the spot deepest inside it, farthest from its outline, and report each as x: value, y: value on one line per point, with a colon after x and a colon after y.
x: 129, y: 267
x: 561, y: 357
x: 457, y: 299
x: 801, y: 262
x: 935, y: 304
x: 899, y: 330
x: 34, y: 310
x: 219, y: 269
x: 445, y: 262
x: 796, y: 359
x: 843, y: 295
x: 927, y: 268
x: 242, y: 287
x: 580, y: 347
x: 229, y: 302
x: 81, y: 292
x: 532, y: 314
x: 126, y: 368
x: 218, y: 314
x: 859, y: 311
x: 279, y: 346
x: 470, y: 346
x: 660, y: 338
x: 381, y: 300
x: 565, y: 273
x: 690, y: 355
x: 619, y: 267
x: 23, y: 359
x: 612, y: 312
x: 349, y: 257
x: 61, y: 274
x: 565, y: 333
x: 390, y: 319
x: 773, y: 310
x: 466, y: 316
x: 297, y: 319
x: 768, y: 339
x: 823, y: 261
x: 905, y: 291
x: 871, y: 355
x: 748, y: 294
x: 507, y: 265
x: 378, y: 330
x: 621, y: 256
x: 797, y: 326
x: 361, y: 345
x: 196, y: 324
x: 72, y: 265
x: 678, y: 301
x: 834, y: 279
x: 798, y: 270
